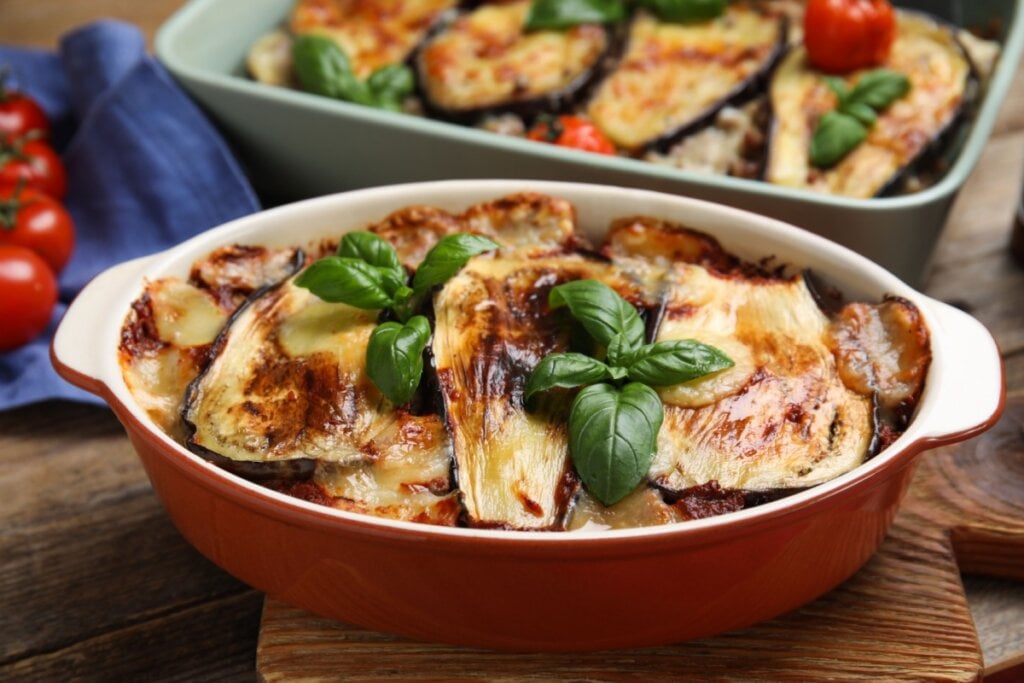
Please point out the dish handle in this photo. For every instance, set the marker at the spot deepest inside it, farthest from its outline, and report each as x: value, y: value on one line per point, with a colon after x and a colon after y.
x: 77, y: 351
x: 967, y: 375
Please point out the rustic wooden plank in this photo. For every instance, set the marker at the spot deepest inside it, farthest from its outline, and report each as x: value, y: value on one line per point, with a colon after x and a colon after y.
x: 212, y: 641
x: 982, y: 216
x: 86, y: 545
x: 997, y: 606
x: 31, y: 22
x: 46, y: 477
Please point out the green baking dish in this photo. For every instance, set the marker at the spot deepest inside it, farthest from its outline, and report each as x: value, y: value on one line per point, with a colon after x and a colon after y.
x: 298, y: 145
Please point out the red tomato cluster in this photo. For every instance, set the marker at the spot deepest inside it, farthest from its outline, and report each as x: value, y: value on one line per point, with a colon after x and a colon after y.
x: 36, y: 232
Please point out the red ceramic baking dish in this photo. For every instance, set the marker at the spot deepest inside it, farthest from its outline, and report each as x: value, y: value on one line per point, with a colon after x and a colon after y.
x: 537, y: 591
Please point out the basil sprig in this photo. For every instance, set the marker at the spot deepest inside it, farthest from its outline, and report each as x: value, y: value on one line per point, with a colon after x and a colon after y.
x: 367, y: 273
x: 613, y: 425
x: 322, y: 67
x: 558, y: 15
x: 841, y: 131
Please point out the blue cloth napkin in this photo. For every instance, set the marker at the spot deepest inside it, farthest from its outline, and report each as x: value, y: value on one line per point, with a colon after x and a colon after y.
x: 145, y: 171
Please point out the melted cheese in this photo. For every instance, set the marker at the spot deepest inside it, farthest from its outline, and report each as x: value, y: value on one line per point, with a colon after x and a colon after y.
x: 373, y: 33
x: 939, y: 72
x: 484, y: 59
x: 674, y: 75
x: 643, y: 507
x: 185, y: 319
x: 409, y: 478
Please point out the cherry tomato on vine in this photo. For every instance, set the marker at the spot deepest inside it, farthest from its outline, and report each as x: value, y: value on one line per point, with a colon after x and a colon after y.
x: 20, y: 114
x: 28, y: 293
x: 34, y: 163
x: 31, y: 219
x: 571, y: 131
x: 845, y: 35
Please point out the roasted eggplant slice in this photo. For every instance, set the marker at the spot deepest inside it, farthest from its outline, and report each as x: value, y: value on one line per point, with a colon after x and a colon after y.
x: 485, y: 62
x: 781, y: 417
x: 373, y: 33
x: 883, y: 351
x: 493, y: 325
x: 533, y: 224
x: 269, y: 60
x: 287, y: 380
x: 674, y: 78
x: 942, y: 87
x: 166, y: 339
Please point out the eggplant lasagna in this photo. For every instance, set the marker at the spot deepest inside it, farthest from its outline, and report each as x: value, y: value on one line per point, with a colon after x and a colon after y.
x: 264, y: 379
x: 734, y: 94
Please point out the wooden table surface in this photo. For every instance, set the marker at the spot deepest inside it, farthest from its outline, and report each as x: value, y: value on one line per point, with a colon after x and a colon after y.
x: 96, y: 583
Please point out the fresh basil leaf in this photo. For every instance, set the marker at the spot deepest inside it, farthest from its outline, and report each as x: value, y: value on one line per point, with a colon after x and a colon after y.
x: 613, y: 434
x: 321, y: 66
x: 672, y: 362
x: 835, y: 136
x: 351, y: 89
x: 860, y: 111
x: 879, y: 88
x: 378, y: 252
x: 394, y: 357
x: 346, y: 280
x: 565, y: 370
x: 618, y: 353
x: 838, y: 86
x: 562, y: 14
x: 406, y: 303
x: 685, y: 11
x: 371, y: 248
x: 391, y: 84
x: 601, y: 311
x: 447, y: 258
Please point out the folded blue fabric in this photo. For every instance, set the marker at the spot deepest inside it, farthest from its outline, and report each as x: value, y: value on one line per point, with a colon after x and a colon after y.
x: 145, y: 169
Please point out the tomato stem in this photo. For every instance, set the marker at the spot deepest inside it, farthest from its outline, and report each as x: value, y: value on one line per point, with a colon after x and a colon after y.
x: 10, y: 207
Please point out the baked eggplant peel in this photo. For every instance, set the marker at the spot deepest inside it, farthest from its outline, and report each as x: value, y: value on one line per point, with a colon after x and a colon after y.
x: 373, y: 33
x: 485, y: 61
x: 674, y: 78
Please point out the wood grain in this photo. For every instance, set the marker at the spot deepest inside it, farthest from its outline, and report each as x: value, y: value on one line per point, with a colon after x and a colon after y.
x: 904, y: 616
x: 86, y: 547
x: 42, y: 22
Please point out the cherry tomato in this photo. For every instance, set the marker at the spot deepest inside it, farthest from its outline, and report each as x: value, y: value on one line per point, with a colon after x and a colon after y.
x: 19, y: 114
x: 31, y: 219
x: 28, y: 293
x: 572, y: 131
x: 845, y: 35
x: 33, y: 161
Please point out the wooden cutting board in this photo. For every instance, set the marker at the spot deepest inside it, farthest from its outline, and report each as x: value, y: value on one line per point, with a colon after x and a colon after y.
x: 903, y: 616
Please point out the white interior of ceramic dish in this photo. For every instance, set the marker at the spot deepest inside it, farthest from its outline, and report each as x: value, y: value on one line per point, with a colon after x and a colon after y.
x: 963, y: 391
